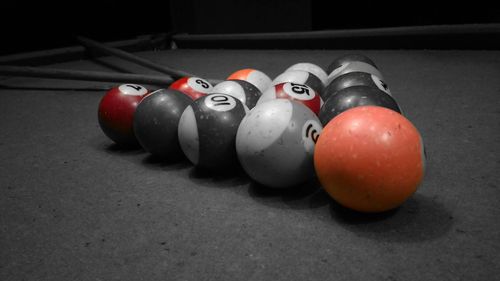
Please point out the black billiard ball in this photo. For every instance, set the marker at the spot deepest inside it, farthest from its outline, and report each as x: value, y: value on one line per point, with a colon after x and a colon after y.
x: 352, y: 97
x: 156, y: 120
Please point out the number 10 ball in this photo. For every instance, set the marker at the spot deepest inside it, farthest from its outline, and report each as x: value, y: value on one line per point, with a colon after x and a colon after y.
x: 207, y: 131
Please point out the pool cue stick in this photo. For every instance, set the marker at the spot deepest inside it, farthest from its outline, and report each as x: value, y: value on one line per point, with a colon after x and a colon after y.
x: 65, y: 74
x: 89, y: 43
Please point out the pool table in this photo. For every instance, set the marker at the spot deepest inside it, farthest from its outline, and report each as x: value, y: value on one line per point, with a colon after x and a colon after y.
x: 75, y: 206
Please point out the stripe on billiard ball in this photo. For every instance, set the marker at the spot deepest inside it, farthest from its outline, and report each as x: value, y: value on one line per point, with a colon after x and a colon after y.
x: 207, y: 131
x: 349, y: 58
x: 355, y: 66
x: 300, y: 77
x: 311, y: 68
x: 245, y: 91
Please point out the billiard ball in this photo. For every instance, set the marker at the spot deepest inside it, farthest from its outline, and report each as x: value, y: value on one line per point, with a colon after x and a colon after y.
x: 156, y: 120
x: 354, y: 79
x: 258, y: 78
x: 352, y: 97
x: 355, y: 66
x: 347, y: 59
x: 300, y: 77
x: 194, y: 87
x: 116, y: 113
x: 312, y: 68
x: 245, y: 91
x: 370, y: 159
x: 207, y: 131
x: 275, y: 143
x: 292, y: 91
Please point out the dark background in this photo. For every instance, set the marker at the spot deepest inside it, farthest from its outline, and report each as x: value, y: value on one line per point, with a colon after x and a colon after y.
x: 33, y: 26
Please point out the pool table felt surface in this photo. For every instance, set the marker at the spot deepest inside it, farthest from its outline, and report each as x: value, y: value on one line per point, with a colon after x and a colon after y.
x: 74, y: 206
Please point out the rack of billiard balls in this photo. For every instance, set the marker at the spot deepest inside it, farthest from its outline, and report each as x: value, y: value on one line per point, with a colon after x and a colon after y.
x: 341, y: 125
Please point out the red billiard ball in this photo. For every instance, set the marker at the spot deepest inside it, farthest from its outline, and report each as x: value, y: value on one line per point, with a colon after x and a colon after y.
x: 116, y: 113
x: 194, y: 87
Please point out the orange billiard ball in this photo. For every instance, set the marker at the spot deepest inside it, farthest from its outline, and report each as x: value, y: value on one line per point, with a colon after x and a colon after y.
x: 370, y: 159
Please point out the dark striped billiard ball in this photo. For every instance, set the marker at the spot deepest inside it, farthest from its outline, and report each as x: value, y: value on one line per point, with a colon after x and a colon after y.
x: 353, y: 97
x: 312, y: 68
x: 347, y: 59
x: 352, y: 63
x: 207, y: 131
x: 354, y: 79
x: 116, y: 113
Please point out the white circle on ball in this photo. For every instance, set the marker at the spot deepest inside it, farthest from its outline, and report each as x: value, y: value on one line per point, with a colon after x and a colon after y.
x: 200, y: 85
x: 299, y: 91
x: 132, y: 90
x: 220, y: 102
